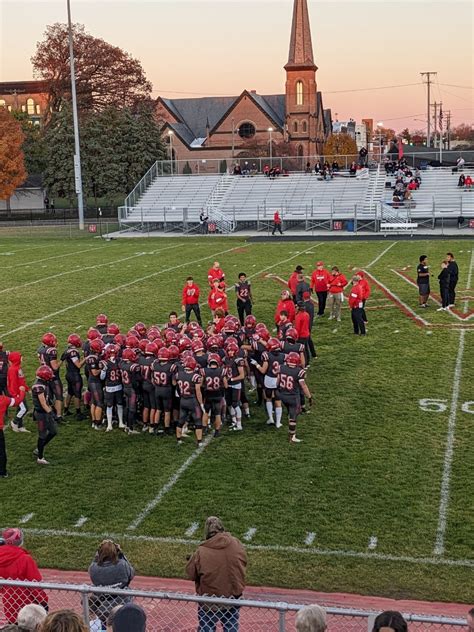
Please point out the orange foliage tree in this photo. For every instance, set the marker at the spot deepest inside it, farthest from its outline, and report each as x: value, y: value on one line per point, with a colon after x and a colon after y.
x: 339, y: 145
x: 12, y: 160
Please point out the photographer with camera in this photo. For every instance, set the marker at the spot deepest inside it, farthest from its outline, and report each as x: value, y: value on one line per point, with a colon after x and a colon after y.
x: 112, y: 569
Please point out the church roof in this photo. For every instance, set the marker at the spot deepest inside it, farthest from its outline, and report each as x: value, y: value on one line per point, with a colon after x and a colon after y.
x: 301, y: 47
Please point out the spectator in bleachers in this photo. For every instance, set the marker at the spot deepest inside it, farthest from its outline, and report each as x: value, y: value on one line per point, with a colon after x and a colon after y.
x: 31, y: 617
x: 63, y: 621
x: 311, y: 619
x: 390, y: 621
x: 352, y: 169
x: 129, y: 618
x: 317, y: 167
x: 266, y: 170
x: 237, y: 170
x: 460, y: 162
x: 110, y: 568
x: 462, y: 180
x: 468, y: 183
x: 203, y: 220
x: 335, y: 165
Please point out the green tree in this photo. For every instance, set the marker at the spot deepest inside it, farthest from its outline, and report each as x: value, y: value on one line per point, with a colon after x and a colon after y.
x: 33, y: 145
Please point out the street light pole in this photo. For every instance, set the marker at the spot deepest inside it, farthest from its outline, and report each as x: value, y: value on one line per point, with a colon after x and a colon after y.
x: 233, y: 137
x: 77, y: 148
x: 270, y: 130
x: 170, y: 135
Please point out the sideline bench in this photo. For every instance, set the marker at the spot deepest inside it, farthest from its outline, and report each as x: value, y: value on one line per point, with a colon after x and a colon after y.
x: 395, y: 227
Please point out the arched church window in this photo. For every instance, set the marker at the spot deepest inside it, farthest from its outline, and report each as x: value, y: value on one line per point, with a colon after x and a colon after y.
x: 299, y: 93
x: 305, y: 126
x: 247, y: 130
x: 295, y: 126
x: 30, y: 106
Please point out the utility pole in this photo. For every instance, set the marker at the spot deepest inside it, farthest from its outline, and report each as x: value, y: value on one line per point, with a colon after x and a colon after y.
x: 435, y: 131
x: 77, y: 154
x: 448, y: 129
x: 428, y: 83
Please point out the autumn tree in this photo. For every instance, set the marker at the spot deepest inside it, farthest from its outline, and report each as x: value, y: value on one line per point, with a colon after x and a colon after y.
x: 12, y: 164
x: 339, y: 145
x: 106, y: 75
x: 463, y: 131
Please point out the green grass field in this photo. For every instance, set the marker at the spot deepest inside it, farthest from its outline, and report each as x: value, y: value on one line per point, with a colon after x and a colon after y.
x: 370, y: 502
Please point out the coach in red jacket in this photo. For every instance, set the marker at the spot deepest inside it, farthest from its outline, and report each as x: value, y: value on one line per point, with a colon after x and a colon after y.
x: 217, y: 298
x: 190, y: 300
x: 320, y: 285
x: 356, y: 305
x: 287, y: 305
x: 302, y: 326
x: 5, y: 402
x: 293, y: 280
x: 365, y: 291
x: 17, y: 563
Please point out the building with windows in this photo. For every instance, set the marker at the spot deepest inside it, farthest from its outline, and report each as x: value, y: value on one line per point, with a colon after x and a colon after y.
x: 221, y: 127
x: 30, y: 97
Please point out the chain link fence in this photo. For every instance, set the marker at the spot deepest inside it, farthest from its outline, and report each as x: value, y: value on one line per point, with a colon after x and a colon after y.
x: 180, y: 612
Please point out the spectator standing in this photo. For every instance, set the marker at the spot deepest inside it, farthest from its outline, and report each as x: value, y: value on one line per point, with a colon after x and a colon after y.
x: 453, y: 270
x: 285, y: 304
x: 309, y: 308
x: 17, y: 563
x: 336, y: 284
x: 302, y: 287
x: 244, y: 297
x: 319, y: 285
x: 52, y: 207
x: 277, y: 223
x: 218, y: 569
x: 203, y: 220
x: 63, y: 621
x: 390, y: 621
x: 110, y: 568
x: 293, y: 281
x: 190, y: 302
x: 46, y: 202
x: 423, y: 280
x: 356, y: 302
x: 365, y: 292
x: 444, y: 279
x: 31, y: 617
x: 5, y: 402
x: 216, y: 272
x: 311, y: 619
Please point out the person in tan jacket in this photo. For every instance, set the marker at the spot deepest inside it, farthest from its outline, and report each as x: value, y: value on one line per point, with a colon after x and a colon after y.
x: 217, y: 568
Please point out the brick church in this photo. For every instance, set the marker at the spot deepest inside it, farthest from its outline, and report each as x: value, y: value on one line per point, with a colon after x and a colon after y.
x: 220, y: 127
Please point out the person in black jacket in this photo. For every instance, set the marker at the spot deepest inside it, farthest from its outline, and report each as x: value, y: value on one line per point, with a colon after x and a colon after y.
x: 453, y: 270
x: 444, y: 280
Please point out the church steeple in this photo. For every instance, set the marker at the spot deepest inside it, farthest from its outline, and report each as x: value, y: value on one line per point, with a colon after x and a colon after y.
x: 301, y: 47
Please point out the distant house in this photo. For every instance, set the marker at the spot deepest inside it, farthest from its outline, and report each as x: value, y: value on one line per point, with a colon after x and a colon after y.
x: 30, y: 195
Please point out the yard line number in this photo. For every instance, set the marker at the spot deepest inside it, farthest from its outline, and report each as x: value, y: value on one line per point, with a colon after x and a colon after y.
x: 441, y: 405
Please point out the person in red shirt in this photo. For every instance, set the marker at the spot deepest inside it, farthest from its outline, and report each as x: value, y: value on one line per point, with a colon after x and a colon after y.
x: 356, y: 302
x: 276, y: 223
x: 285, y: 304
x: 191, y: 300
x: 336, y: 284
x: 5, y: 402
x: 319, y: 285
x: 216, y: 272
x: 218, y: 321
x: 16, y: 379
x: 366, y: 292
x: 293, y: 281
x: 302, y: 326
x: 217, y: 298
x: 468, y: 183
x: 17, y: 563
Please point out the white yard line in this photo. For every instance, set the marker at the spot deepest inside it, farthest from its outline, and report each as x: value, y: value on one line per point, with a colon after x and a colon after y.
x: 469, y: 281
x: 168, y: 486
x: 112, y: 290
x: 82, y: 521
x: 435, y: 561
x: 26, y: 518
x: 81, y: 269
x: 249, y: 534
x: 274, y: 265
x: 191, y: 530
x: 381, y: 255
x: 67, y: 254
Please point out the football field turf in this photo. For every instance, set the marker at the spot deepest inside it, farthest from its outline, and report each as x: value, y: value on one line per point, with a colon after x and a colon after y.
x: 377, y: 499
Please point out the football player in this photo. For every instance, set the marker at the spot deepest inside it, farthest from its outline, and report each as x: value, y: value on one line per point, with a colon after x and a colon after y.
x: 235, y: 374
x: 188, y: 380
x: 74, y: 363
x: 148, y: 388
x: 43, y: 410
x: 101, y: 323
x: 95, y: 385
x: 131, y: 376
x: 243, y: 291
x: 163, y: 369
x: 48, y: 355
x: 272, y: 359
x: 291, y: 379
x: 3, y: 370
x: 214, y: 386
x: 113, y: 396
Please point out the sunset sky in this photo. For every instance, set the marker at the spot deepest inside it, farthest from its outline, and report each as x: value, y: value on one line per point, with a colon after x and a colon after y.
x: 198, y: 48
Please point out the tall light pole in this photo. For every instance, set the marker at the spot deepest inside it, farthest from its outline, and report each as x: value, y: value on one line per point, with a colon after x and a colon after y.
x: 170, y: 136
x: 233, y: 141
x: 270, y: 130
x: 77, y: 147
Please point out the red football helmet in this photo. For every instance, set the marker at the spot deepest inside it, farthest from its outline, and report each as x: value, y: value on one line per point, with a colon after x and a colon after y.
x: 184, y: 344
x: 197, y: 346
x: 133, y: 332
x: 45, y: 373
x: 93, y: 334
x: 273, y: 344
x: 213, y: 342
x: 101, y: 319
x: 142, y: 345
x: 132, y: 342
x: 153, y: 335
x: 174, y: 352
x: 230, y: 341
x: 112, y: 351
x: 190, y: 363
x: 232, y: 350
x: 214, y: 358
x: 97, y: 346
x: 129, y: 354
x: 292, y: 334
x: 120, y: 340
x: 140, y: 328
x: 153, y: 328
x: 151, y: 349
x: 262, y: 331
x: 74, y: 340
x: 170, y: 337
x: 164, y: 354
x: 49, y: 339
x: 250, y: 321
x: 192, y: 326
x: 293, y: 359
x: 113, y: 329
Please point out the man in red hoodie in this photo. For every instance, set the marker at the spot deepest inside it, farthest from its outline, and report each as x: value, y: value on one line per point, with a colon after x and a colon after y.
x: 190, y: 301
x: 287, y: 305
x: 356, y: 302
x: 336, y: 284
x: 216, y: 272
x: 16, y: 379
x: 319, y: 285
x: 365, y: 291
x: 5, y: 402
x: 217, y: 298
x: 17, y: 563
x: 302, y: 326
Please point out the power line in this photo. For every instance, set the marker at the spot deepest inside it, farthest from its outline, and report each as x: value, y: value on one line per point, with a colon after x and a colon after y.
x: 450, y: 85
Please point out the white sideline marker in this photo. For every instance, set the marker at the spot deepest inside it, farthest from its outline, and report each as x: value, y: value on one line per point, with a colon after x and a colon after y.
x: 381, y: 255
x: 250, y: 533
x: 26, y: 518
x: 310, y: 536
x: 372, y: 543
x: 82, y: 521
x: 192, y: 529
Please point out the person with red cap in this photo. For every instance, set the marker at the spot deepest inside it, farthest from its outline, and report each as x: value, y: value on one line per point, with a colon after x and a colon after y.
x: 16, y: 563
x: 5, y: 402
x: 285, y: 304
x: 320, y: 285
x: 336, y: 284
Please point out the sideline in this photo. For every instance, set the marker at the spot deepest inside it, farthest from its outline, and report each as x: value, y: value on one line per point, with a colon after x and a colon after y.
x: 369, y: 265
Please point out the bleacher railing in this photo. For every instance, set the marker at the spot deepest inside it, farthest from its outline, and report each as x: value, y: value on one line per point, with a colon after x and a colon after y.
x: 180, y: 612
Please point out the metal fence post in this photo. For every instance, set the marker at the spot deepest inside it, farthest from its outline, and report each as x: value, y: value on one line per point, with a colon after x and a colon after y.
x: 85, y: 607
x: 281, y: 620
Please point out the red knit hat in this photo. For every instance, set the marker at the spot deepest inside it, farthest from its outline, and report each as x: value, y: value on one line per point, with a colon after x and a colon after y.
x: 13, y: 536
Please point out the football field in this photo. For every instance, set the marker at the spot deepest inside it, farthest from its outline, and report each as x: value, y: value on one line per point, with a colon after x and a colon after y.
x: 377, y: 499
